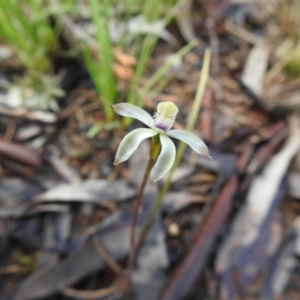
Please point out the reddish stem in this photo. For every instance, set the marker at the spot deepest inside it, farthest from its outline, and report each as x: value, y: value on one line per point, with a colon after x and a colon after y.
x: 132, y: 254
x: 154, y: 151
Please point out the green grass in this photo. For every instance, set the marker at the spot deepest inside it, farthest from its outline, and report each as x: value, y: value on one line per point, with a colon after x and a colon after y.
x: 31, y: 32
x: 140, y: 45
x: 286, y: 14
x: 99, y: 64
x: 25, y: 26
x: 32, y: 28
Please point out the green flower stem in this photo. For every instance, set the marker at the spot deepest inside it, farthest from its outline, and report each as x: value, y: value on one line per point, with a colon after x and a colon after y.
x: 154, y: 152
x: 154, y: 148
x: 190, y: 124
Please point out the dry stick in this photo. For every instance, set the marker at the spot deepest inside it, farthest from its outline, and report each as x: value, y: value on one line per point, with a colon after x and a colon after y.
x: 185, y: 275
x: 106, y: 256
x: 196, y: 258
x: 116, y: 286
x: 215, y: 63
x: 91, y: 294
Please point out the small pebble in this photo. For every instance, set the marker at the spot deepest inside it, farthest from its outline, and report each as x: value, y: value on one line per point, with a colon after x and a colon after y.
x: 174, y: 230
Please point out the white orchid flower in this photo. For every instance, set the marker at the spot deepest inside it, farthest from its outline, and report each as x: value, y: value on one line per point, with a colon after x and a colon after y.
x: 161, y: 125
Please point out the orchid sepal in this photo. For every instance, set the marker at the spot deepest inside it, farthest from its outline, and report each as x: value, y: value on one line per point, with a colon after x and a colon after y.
x: 161, y: 125
x: 165, y: 159
x: 132, y: 111
x: 131, y: 142
x: 192, y: 140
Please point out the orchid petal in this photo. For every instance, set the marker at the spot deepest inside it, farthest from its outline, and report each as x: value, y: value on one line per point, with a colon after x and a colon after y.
x: 165, y: 160
x: 130, y: 143
x: 191, y: 139
x: 132, y: 111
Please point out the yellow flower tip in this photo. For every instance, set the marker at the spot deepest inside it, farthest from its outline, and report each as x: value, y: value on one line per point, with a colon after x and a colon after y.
x: 152, y: 182
x: 116, y: 162
x: 203, y: 151
x: 165, y: 115
x: 118, y: 107
x: 114, y: 107
x: 167, y: 109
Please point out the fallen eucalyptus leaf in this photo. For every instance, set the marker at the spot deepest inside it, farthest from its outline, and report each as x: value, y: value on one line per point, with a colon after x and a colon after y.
x: 90, y: 191
x: 175, y: 201
x: 251, y: 242
x: 20, y: 153
x: 114, y: 236
x: 255, y: 69
x: 15, y: 191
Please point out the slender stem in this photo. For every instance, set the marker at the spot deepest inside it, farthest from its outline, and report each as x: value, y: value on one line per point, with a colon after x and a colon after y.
x: 154, y: 151
x: 154, y: 210
x: 135, y: 215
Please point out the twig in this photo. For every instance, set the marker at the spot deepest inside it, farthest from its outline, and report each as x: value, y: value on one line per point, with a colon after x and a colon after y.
x: 242, y: 33
x: 91, y: 294
x: 215, y: 62
x: 106, y: 257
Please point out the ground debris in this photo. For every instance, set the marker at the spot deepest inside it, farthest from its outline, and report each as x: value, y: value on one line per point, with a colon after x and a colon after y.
x: 228, y: 228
